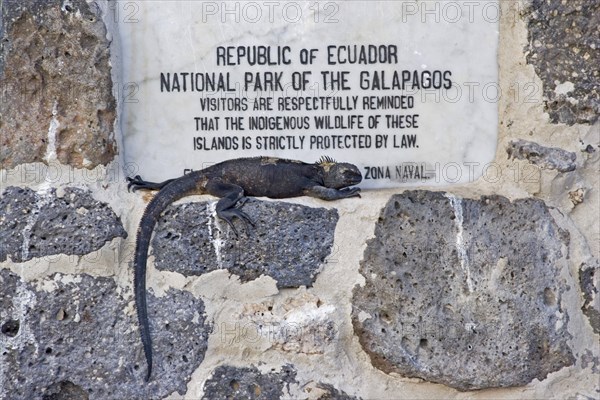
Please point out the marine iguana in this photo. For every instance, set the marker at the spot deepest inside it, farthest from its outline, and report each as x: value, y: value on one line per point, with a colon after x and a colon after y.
x: 232, y: 181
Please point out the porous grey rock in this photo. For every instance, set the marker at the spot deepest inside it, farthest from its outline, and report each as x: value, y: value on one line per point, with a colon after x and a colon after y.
x: 289, y: 242
x: 331, y: 393
x: 589, y: 360
x: 55, y: 61
x: 544, y: 157
x: 564, y: 48
x: 65, y: 390
x: 41, y: 224
x: 588, y: 283
x: 464, y: 292
x: 78, y: 340
x: 228, y: 382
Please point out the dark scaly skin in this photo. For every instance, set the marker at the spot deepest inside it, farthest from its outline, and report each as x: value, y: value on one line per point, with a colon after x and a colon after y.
x: 232, y: 181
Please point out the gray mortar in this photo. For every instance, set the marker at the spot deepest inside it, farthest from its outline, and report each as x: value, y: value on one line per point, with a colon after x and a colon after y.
x: 580, y: 396
x: 38, y: 225
x: 588, y: 284
x: 334, y: 394
x: 77, y: 341
x: 228, y: 382
x: 289, y: 242
x: 564, y: 46
x: 544, y: 157
x: 464, y: 292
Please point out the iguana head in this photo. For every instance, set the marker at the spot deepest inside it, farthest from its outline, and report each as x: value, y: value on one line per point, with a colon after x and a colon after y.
x: 339, y: 175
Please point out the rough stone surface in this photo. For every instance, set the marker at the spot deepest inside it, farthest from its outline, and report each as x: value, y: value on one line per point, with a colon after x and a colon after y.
x: 228, y: 382
x: 65, y: 391
x: 544, y: 157
x: 564, y: 48
x: 41, y: 224
x: 589, y: 361
x: 289, y: 242
x: 464, y: 292
x: 302, y: 324
x: 73, y: 339
x: 589, y: 281
x: 55, y: 86
x: 580, y: 396
x: 331, y: 393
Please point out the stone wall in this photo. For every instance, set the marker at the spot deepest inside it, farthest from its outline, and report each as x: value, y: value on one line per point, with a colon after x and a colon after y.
x: 490, y: 289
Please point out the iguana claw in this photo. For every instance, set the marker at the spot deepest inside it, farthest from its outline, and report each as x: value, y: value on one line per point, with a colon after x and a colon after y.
x: 227, y: 216
x: 351, y: 192
x: 137, y: 183
x: 134, y: 183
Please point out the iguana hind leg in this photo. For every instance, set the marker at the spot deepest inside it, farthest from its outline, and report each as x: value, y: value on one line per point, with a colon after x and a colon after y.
x: 232, y: 197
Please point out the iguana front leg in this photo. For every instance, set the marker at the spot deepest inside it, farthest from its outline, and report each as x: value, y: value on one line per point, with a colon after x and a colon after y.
x: 137, y: 183
x: 325, y: 193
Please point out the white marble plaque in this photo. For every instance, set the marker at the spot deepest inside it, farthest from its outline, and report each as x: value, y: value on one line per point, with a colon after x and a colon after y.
x: 406, y: 90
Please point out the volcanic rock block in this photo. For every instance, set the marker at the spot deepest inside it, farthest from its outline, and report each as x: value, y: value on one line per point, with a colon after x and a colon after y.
x: 36, y: 224
x: 56, y: 92
x: 228, y: 382
x: 71, y: 336
x: 563, y: 48
x: 589, y: 283
x: 464, y: 292
x: 289, y: 242
x: 544, y: 157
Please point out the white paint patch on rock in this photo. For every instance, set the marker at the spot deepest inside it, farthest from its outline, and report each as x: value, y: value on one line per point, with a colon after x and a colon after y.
x: 215, y: 234
x: 52, y: 129
x: 461, y: 250
x: 23, y: 300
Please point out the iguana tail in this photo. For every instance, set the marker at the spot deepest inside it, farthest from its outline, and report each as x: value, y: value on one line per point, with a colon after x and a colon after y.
x: 173, y: 191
